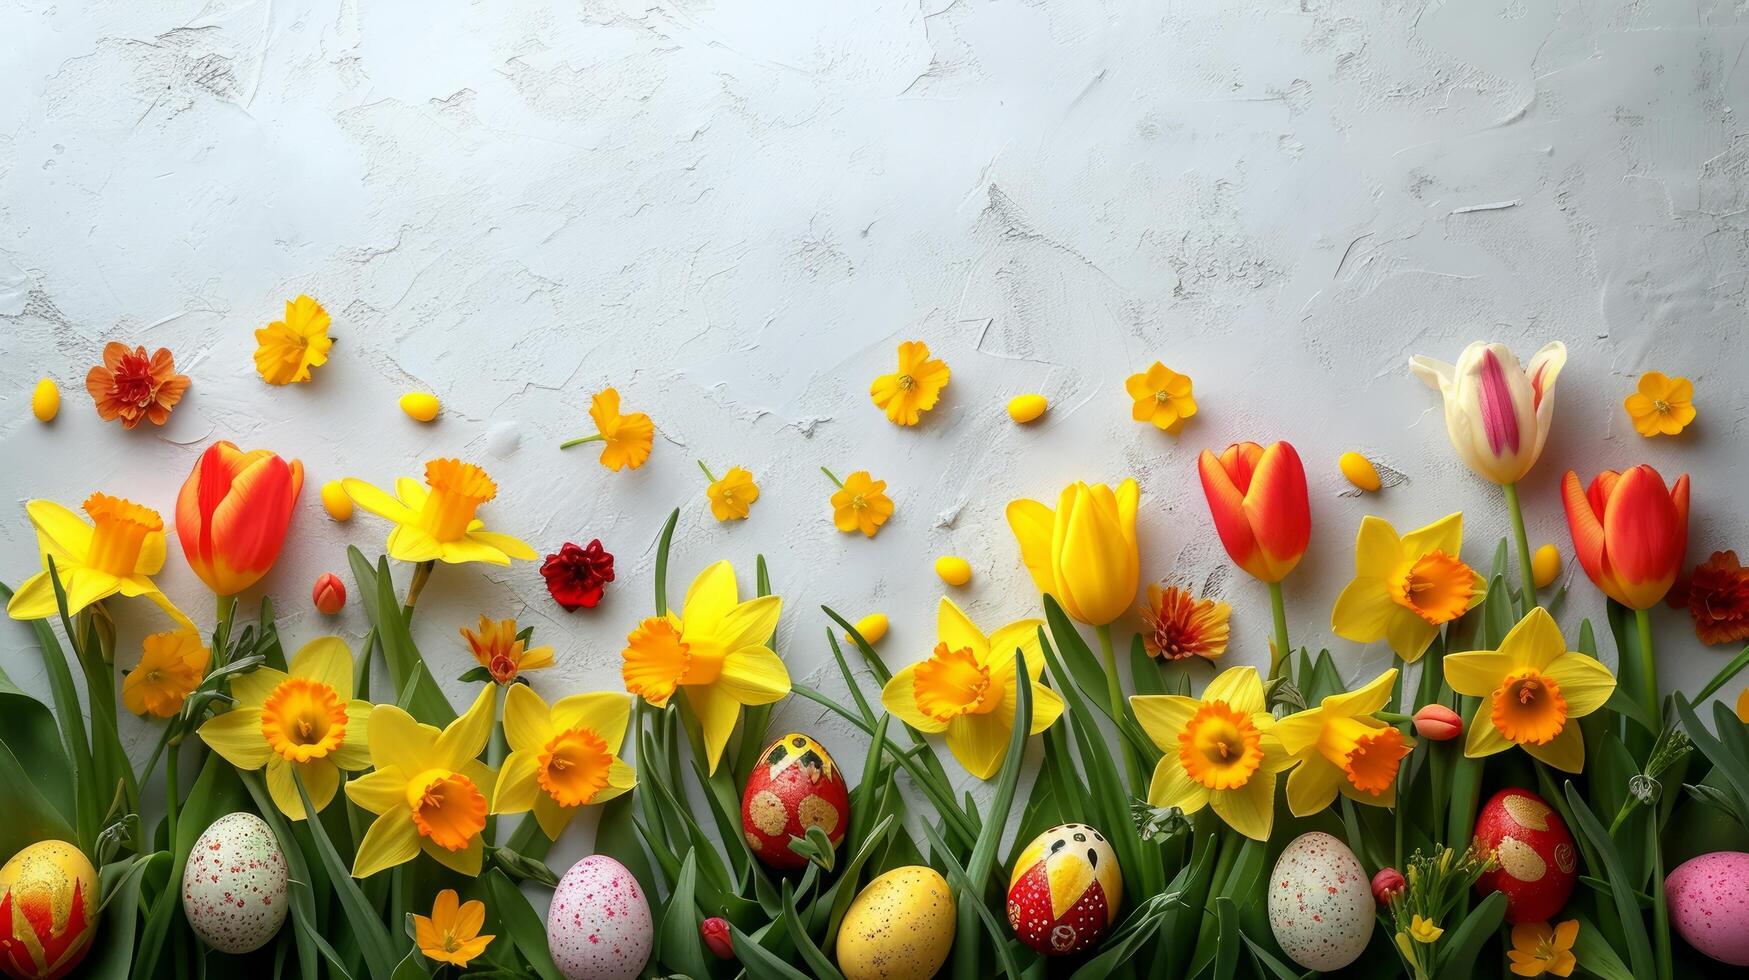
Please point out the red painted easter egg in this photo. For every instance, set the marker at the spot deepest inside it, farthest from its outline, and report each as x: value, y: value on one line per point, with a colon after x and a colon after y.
x: 1537, y: 862
x: 1065, y: 890
x: 796, y: 785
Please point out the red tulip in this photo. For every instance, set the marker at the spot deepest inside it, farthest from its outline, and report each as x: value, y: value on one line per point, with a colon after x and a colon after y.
x: 1259, y: 502
x: 717, y: 938
x: 1629, y: 532
x: 329, y: 595
x: 1438, y: 723
x: 232, y: 514
x: 1386, y: 884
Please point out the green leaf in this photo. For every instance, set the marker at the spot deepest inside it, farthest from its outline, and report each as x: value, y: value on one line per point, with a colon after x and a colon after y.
x: 1229, y: 940
x: 373, y: 937
x: 677, y: 938
x: 844, y: 891
x: 792, y: 920
x: 759, y: 962
x: 112, y: 958
x: 1459, y: 951
x: 406, y: 667
x: 411, y: 967
x: 965, y: 960
x: 663, y: 545
x: 30, y: 817
x: 1633, y: 926
x: 27, y: 727
x: 1594, y: 953
x: 521, y: 924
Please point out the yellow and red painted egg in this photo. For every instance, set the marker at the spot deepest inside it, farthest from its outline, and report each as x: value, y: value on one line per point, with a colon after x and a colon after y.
x: 1537, y: 862
x: 795, y: 786
x: 48, y: 911
x: 1065, y: 890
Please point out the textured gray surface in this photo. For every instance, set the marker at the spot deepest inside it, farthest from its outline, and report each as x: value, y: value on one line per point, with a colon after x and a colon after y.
x: 733, y: 211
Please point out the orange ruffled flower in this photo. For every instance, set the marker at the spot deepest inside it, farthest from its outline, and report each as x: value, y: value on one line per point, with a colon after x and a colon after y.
x: 232, y: 514
x: 1260, y: 506
x: 504, y: 654
x: 130, y: 385
x: 1716, y: 595
x: 1629, y: 532
x: 1181, y: 626
x: 452, y: 933
x: 171, y: 666
x: 913, y: 389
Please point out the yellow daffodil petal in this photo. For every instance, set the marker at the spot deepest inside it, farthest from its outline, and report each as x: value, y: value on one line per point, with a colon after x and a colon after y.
x: 1022, y: 636
x: 1250, y: 809
x: 1312, y: 786
x: 1033, y: 525
x: 35, y: 599
x: 1476, y: 673
x: 1368, y: 698
x: 376, y: 501
x: 1239, y: 687
x: 1535, y: 642
x: 552, y: 817
x: 391, y: 840
x: 321, y: 781
x: 252, y: 688
x: 1565, y: 751
x: 1362, y: 610
x: 1047, y: 707
x: 236, y: 736
x: 518, y: 783
x: 466, y: 737
x: 1162, y: 717
x: 1377, y: 549
x: 1445, y: 534
x: 1386, y: 797
x: 380, y: 790
x: 716, y: 711
x: 754, y: 675
x: 410, y: 544
x: 466, y: 861
x: 326, y: 660
x: 900, y: 699
x: 1300, y: 730
x: 354, y: 751
x: 509, y: 545
x: 528, y: 722
x: 979, y: 742
x: 750, y: 624
x: 605, y: 713
x: 1482, y: 738
x: 397, y: 740
x: 1172, y: 786
x: 1409, y: 635
x: 59, y: 531
x: 710, y: 597
x: 621, y: 778
x: 1584, y: 682
x: 954, y: 628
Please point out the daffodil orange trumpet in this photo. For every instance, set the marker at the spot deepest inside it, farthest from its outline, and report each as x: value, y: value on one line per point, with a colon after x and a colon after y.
x: 233, y: 512
x: 1629, y: 533
x: 1260, y: 506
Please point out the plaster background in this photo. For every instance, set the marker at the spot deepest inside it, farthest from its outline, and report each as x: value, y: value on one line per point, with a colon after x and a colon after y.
x: 733, y: 211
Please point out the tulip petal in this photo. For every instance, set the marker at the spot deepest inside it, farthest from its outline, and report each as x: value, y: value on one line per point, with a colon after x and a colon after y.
x: 1096, y: 564
x: 1585, y: 525
x: 979, y: 742
x: 1437, y: 375
x: 1641, y: 536
x: 1585, y: 683
x: 1227, y: 508
x: 1278, y: 508
x: 1250, y: 809
x: 1312, y: 786
x: 605, y: 713
x: 1565, y: 751
x: 391, y: 840
x: 1032, y: 524
x: 900, y: 699
x: 528, y: 722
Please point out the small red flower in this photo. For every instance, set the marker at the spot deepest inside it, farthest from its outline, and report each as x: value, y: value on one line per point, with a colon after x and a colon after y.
x: 576, y: 576
x: 1716, y: 595
x: 717, y: 938
x: 1388, y: 882
x: 329, y: 595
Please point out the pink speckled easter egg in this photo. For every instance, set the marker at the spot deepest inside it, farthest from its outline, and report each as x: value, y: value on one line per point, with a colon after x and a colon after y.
x: 234, y: 885
x: 1709, y: 904
x: 1321, y: 907
x: 599, y: 927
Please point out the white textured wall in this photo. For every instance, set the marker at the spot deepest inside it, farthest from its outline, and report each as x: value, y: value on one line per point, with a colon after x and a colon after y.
x: 733, y: 211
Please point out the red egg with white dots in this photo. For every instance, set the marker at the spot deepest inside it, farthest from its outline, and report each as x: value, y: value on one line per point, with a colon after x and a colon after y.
x: 1537, y: 864
x: 794, y: 786
x: 1065, y: 890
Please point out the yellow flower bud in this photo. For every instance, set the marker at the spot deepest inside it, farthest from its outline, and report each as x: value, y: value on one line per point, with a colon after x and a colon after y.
x: 872, y: 627
x: 1359, y: 471
x: 335, y: 501
x: 953, y: 569
x: 1545, y: 565
x: 45, y: 401
x: 420, y: 405
x: 1025, y: 408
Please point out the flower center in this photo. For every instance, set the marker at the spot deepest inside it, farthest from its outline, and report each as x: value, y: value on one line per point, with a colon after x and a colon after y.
x: 1162, y: 396
x: 1437, y: 587
x: 303, y: 719
x: 906, y: 382
x: 457, y: 490
x: 503, y: 668
x: 447, y: 808
x: 1662, y: 406
x: 859, y: 502
x: 134, y: 383
x: 119, y: 530
x: 1220, y: 748
x: 952, y: 683
x: 573, y: 766
x: 1528, y: 708
x: 656, y: 659
x: 1367, y: 755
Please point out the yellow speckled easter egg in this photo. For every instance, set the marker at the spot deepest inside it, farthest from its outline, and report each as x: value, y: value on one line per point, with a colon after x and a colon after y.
x: 953, y: 569
x: 45, y: 401
x: 872, y: 627
x: 1359, y: 471
x: 898, y: 928
x: 335, y: 501
x: 1025, y: 408
x: 420, y: 405
x: 49, y: 891
x: 1545, y: 565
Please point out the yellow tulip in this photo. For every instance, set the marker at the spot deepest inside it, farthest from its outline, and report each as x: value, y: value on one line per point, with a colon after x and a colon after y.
x: 1341, y: 746
x: 562, y: 757
x: 1083, y: 553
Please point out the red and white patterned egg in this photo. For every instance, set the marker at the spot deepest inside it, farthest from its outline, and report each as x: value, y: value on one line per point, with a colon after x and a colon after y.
x: 234, y: 885
x: 1537, y: 862
x: 795, y: 786
x: 1065, y: 890
x: 1321, y: 908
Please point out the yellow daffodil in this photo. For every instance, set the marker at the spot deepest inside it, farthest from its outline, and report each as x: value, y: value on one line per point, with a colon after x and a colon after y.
x: 1531, y: 689
x: 307, y: 718
x: 1340, y: 746
x: 171, y: 666
x: 1405, y: 588
x: 967, y: 688
x: 498, y: 649
x: 428, y: 789
x: 436, y: 522
x: 1663, y: 406
x: 563, y: 757
x: 626, y: 439
x: 287, y: 349
x: 715, y: 652
x: 1162, y: 396
x: 1220, y: 752
x: 1423, y: 930
x: 913, y: 389
x: 860, y: 504
x: 732, y: 496
x: 1084, y: 553
x: 1537, y: 949
x: 452, y: 933
x: 116, y: 554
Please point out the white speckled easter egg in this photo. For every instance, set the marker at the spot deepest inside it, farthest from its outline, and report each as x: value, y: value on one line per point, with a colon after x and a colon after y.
x: 1709, y: 904
x: 900, y: 927
x: 599, y: 926
x: 1320, y: 904
x: 234, y: 886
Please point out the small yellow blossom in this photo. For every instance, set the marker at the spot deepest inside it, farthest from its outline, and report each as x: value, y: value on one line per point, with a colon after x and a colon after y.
x: 1538, y: 949
x: 1424, y: 930
x: 626, y: 439
x: 913, y: 389
x: 286, y: 350
x: 861, y: 503
x: 452, y: 933
x: 732, y: 496
x: 171, y: 666
x: 1162, y: 396
x: 1663, y: 406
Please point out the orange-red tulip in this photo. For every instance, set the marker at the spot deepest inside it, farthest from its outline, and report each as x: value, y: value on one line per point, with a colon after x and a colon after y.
x: 1629, y: 532
x: 1258, y: 499
x: 233, y: 512
x: 329, y: 594
x: 1439, y: 723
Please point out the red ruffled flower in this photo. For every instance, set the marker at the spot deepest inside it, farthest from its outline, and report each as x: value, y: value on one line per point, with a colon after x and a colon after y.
x: 576, y: 576
x: 1716, y: 595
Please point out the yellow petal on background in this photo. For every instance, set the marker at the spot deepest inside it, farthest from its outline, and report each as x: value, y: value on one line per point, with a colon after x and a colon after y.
x: 380, y: 790
x: 518, y: 784
x: 411, y: 493
x: 749, y: 624
x: 510, y: 545
x: 1047, y: 707
x: 605, y: 713
x: 410, y: 544
x: 954, y: 628
x: 1409, y: 635
x: 1250, y: 809
x: 1239, y: 687
x: 899, y: 697
x: 979, y: 742
x: 1476, y: 673
x: 1377, y: 549
x: 528, y: 722
x: 391, y: 840
x: 1482, y: 738
x: 621, y: 778
x: 466, y: 737
x: 716, y: 712
x: 1565, y: 751
x: 1172, y: 786
x: 466, y: 549
x: 1163, y: 716
x: 1312, y: 786
x: 1585, y: 683
x: 1300, y: 731
x: 376, y: 501
x: 59, y: 531
x: 552, y: 817
x: 466, y: 861
x: 321, y: 781
x: 1022, y: 636
x: 236, y: 736
x: 152, y: 552
x: 397, y: 740
x: 1386, y: 797
x: 1364, y: 700
x: 710, y: 597
x: 326, y: 660
x: 753, y: 675
x: 252, y: 688
x: 35, y: 599
x: 1445, y: 534
x: 1362, y: 610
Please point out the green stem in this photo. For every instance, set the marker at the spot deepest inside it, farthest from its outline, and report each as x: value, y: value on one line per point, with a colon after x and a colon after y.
x: 421, y: 575
x: 581, y: 440
x: 707, y: 471
x: 835, y: 481
x: 1649, y: 668
x: 1527, y: 576
x: 222, y: 634
x: 1113, y: 688
x: 171, y: 791
x: 1278, y: 609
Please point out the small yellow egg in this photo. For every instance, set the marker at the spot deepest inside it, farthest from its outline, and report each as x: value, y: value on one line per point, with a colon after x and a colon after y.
x: 335, y: 501
x: 1545, y: 565
x: 953, y: 569
x: 1025, y: 408
x: 45, y: 401
x: 901, y: 925
x: 872, y: 627
x: 420, y: 405
x: 1359, y: 471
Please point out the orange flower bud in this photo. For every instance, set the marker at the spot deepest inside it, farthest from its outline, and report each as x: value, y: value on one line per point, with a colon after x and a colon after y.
x: 1260, y: 506
x: 329, y: 595
x: 1629, y: 532
x: 1438, y: 723
x: 232, y: 514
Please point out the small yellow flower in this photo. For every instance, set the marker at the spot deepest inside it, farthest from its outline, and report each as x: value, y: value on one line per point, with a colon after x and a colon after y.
x: 1340, y: 746
x: 562, y: 757
x: 1422, y: 930
x: 912, y: 390
x: 452, y: 933
x: 625, y: 439
x: 861, y: 503
x: 1538, y: 949
x: 1531, y: 689
x: 505, y: 655
x: 1663, y: 406
x: 171, y: 666
x: 1162, y: 396
x: 287, y: 349
x: 437, y: 522
x: 732, y: 496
